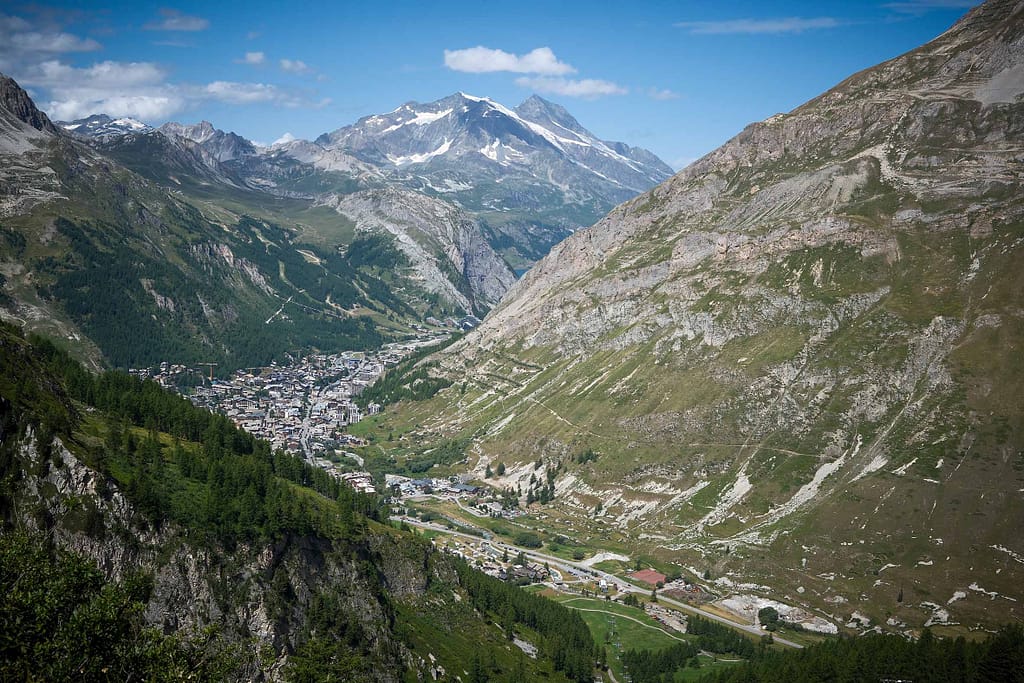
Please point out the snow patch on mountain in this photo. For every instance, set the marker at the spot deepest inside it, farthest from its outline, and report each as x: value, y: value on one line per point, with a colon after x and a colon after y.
x: 421, y: 158
x: 420, y: 119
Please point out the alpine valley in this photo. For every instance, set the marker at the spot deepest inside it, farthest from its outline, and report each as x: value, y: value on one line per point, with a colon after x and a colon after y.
x: 192, y: 238
x: 796, y: 365
x: 722, y: 419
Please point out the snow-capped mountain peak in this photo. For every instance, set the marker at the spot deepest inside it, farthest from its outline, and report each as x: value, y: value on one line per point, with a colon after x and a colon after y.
x: 538, y: 140
x: 104, y: 126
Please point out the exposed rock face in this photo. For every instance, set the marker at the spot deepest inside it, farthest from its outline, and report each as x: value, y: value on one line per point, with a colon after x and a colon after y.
x: 445, y: 245
x: 17, y: 102
x: 822, y: 312
x: 258, y: 593
x: 168, y: 159
x: 26, y: 136
x: 220, y: 145
x: 927, y: 126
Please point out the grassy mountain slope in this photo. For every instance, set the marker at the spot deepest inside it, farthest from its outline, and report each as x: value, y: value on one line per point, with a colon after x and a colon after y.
x: 798, y: 360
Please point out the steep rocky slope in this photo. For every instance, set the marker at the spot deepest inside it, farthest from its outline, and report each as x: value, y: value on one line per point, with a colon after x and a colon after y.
x: 444, y: 244
x: 798, y: 360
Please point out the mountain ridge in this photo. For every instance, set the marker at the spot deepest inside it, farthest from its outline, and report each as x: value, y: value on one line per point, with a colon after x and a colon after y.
x: 530, y: 182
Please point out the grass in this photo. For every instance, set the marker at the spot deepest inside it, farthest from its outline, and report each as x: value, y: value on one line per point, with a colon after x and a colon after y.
x: 453, y: 633
x: 619, y: 628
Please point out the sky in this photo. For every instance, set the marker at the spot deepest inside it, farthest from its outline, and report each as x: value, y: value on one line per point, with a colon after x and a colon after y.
x: 676, y: 77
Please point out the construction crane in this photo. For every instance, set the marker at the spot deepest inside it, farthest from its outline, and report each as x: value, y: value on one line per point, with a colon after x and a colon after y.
x: 212, y: 366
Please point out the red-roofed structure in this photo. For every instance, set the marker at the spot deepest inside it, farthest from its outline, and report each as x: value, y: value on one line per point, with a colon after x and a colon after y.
x: 649, y: 576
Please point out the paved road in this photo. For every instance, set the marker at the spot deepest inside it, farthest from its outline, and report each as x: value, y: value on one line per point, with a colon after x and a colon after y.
x: 580, y: 570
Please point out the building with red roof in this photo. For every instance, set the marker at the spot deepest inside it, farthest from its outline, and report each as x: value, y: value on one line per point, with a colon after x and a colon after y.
x: 649, y: 576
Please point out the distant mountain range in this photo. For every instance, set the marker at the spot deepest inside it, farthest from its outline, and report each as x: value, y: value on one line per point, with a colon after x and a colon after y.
x: 215, y: 233
x: 488, y: 156
x: 101, y: 125
x: 182, y: 260
x: 532, y: 175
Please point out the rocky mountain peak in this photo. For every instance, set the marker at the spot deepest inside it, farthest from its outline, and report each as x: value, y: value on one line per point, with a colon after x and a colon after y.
x: 538, y: 110
x: 218, y: 144
x: 496, y: 159
x: 196, y: 132
x: 14, y: 99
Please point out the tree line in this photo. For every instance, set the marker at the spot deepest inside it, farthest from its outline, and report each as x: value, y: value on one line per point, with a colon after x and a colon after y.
x: 876, y: 657
x: 213, y: 477
x: 566, y: 638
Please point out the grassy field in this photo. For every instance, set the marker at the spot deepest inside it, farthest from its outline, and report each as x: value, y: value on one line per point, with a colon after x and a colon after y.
x: 621, y: 628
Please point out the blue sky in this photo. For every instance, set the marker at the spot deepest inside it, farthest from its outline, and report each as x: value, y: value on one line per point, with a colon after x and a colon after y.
x: 678, y: 78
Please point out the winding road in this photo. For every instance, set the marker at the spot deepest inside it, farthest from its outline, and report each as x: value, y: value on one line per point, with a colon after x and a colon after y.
x: 579, y: 570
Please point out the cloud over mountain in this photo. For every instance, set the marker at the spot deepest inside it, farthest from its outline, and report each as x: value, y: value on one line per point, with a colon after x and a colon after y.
x: 481, y: 59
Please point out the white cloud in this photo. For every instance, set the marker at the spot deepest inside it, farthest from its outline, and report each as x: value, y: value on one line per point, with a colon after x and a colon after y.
x: 50, y: 42
x: 662, y: 94
x: 481, y: 59
x: 252, y: 58
x: 142, y: 107
x: 173, y: 20
x: 295, y: 66
x: 108, y: 74
x: 135, y: 89
x: 759, y: 26
x: 287, y: 137
x: 588, y: 88
x: 9, y: 24
x: 140, y: 90
x: 20, y: 41
x: 255, y: 93
x: 241, y: 93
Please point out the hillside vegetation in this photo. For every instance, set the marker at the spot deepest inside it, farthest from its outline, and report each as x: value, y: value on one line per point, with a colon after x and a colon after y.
x: 254, y: 562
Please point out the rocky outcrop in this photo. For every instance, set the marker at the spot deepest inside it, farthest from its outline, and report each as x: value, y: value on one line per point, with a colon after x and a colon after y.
x: 447, y: 248
x: 16, y: 101
x: 259, y: 595
x: 219, y: 145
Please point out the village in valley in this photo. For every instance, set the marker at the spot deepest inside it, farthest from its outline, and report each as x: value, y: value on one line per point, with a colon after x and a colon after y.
x: 305, y: 407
